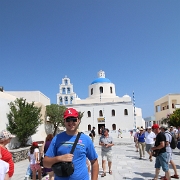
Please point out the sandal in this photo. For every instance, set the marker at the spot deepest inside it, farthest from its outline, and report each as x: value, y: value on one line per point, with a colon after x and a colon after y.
x: 103, y: 174
x: 163, y: 178
x: 175, y: 176
x: 110, y: 172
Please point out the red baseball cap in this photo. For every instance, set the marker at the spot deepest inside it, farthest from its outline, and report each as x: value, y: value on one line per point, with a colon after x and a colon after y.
x: 155, y: 126
x: 34, y: 144
x: 70, y: 112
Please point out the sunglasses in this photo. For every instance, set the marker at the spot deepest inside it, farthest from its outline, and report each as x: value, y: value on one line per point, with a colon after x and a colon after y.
x: 71, y: 119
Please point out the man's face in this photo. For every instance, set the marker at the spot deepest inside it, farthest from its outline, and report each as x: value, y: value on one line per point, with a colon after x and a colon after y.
x: 105, y: 132
x: 155, y: 131
x: 71, y: 123
x: 149, y: 130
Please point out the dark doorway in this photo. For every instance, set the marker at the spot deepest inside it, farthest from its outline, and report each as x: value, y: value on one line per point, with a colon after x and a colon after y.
x: 99, y: 127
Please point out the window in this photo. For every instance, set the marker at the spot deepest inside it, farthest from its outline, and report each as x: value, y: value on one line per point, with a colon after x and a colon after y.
x: 68, y: 90
x: 100, y: 113
x: 114, y: 126
x: 89, y: 113
x: 91, y: 91
x: 89, y: 127
x: 125, y: 112
x: 66, y: 99
x: 63, y: 90
x: 167, y: 106
x: 66, y: 82
x: 71, y: 99
x: 111, y: 90
x: 101, y: 89
x: 60, y: 100
x: 113, y: 112
x: 172, y: 105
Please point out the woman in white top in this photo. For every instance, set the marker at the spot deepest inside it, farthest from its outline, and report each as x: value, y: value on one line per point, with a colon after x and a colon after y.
x: 4, y: 168
x: 34, y: 160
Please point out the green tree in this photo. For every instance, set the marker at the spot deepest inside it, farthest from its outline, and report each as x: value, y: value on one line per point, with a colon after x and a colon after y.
x: 173, y: 119
x: 55, y: 114
x: 24, y: 119
x: 81, y: 114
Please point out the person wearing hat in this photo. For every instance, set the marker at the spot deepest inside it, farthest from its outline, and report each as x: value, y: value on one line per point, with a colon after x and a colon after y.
x: 5, y: 138
x: 161, y: 158
x: 149, y: 140
x: 61, y: 145
x: 141, y: 143
x: 106, y: 143
x: 169, y: 150
x: 34, y: 160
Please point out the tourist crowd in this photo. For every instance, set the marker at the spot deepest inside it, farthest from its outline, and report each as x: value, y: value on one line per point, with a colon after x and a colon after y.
x: 71, y: 155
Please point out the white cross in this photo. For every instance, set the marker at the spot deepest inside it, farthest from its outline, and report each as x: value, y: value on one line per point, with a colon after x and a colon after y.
x: 69, y: 112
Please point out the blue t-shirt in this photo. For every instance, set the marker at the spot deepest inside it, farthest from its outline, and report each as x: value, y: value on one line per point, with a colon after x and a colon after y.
x: 62, y: 144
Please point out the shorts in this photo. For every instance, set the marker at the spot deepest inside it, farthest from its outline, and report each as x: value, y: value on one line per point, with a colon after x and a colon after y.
x: 35, y: 167
x: 106, y: 155
x: 161, y: 160
x: 149, y: 146
x: 169, y: 157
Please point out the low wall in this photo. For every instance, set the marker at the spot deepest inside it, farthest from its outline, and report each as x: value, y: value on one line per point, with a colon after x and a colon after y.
x: 21, y: 153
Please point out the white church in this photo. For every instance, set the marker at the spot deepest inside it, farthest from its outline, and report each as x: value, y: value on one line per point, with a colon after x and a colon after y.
x: 102, y: 107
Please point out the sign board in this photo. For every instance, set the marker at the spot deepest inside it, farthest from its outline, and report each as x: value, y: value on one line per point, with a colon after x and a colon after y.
x: 101, y: 119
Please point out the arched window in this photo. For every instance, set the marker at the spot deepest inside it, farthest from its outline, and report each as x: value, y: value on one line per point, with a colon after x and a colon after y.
x: 111, y: 90
x: 66, y: 82
x: 100, y: 113
x: 66, y: 100
x: 114, y: 126
x: 89, y: 127
x: 89, y: 113
x: 68, y: 90
x: 125, y: 112
x: 71, y: 99
x: 113, y: 112
x: 101, y: 89
x: 60, y: 100
x: 63, y: 90
x: 91, y: 91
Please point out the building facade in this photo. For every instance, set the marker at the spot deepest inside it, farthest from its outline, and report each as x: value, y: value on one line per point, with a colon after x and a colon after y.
x: 165, y: 105
x: 39, y: 99
x: 103, y: 107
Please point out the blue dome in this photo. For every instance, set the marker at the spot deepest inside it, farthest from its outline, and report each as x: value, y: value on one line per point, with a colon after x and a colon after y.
x: 101, y: 80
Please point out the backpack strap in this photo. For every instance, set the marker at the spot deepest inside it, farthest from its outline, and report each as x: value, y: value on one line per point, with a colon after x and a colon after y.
x: 75, y: 142
x: 169, y: 134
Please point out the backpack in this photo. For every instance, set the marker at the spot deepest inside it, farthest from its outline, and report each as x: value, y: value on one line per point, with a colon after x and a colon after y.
x: 173, y: 143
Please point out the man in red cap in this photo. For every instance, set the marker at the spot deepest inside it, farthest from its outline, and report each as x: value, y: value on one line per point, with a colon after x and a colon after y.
x: 161, y: 158
x: 61, y: 145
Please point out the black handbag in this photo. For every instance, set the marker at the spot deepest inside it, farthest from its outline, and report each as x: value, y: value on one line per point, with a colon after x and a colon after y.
x: 155, y: 153
x: 65, y: 169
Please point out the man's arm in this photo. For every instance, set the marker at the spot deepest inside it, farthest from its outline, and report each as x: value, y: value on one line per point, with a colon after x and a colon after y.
x: 94, y: 169
x: 49, y: 161
x: 161, y: 145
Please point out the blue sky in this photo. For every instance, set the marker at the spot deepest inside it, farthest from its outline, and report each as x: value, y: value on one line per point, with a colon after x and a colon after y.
x: 136, y: 43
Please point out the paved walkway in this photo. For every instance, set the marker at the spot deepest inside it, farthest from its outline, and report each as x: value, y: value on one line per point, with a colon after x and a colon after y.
x: 126, y: 163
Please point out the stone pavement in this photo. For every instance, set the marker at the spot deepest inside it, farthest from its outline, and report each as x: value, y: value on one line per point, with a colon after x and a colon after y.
x: 126, y: 163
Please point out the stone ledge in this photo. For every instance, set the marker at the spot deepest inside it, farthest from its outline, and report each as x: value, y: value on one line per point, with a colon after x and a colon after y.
x: 21, y: 153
